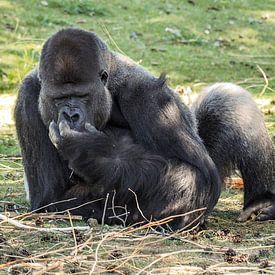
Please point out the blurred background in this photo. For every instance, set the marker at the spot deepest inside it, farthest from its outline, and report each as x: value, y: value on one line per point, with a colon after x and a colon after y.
x: 194, y: 42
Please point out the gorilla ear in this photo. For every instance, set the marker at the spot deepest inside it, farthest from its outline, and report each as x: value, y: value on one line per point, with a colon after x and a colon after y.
x: 104, y: 77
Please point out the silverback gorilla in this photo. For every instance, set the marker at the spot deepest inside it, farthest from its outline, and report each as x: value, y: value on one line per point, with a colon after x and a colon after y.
x: 104, y: 138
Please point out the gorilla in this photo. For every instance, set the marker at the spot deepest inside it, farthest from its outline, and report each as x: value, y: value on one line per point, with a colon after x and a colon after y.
x: 104, y: 138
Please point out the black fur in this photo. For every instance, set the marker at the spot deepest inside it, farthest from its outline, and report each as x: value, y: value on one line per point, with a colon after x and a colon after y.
x: 235, y: 135
x: 121, y: 139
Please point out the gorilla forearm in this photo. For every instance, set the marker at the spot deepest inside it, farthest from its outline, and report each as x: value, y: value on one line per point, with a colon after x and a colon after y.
x: 114, y: 163
x: 107, y: 161
x: 111, y: 162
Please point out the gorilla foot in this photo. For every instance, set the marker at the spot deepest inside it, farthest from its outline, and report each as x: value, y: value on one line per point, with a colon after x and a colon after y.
x: 259, y: 211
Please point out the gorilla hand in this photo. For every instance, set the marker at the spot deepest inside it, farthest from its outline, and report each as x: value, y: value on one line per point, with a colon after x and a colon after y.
x: 63, y: 137
x: 88, y: 152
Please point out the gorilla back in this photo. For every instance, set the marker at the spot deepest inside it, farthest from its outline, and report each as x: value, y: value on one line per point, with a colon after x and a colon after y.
x: 101, y: 135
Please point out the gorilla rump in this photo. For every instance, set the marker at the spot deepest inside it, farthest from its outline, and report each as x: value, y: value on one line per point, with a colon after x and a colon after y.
x: 103, y: 137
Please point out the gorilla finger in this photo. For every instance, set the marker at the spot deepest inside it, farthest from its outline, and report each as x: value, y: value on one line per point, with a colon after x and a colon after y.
x: 89, y: 127
x: 53, y: 124
x: 262, y: 217
x: 64, y: 128
x: 54, y: 134
x: 267, y: 213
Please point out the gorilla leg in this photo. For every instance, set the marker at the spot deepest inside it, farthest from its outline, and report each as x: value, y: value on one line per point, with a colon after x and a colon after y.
x: 45, y: 174
x: 234, y: 132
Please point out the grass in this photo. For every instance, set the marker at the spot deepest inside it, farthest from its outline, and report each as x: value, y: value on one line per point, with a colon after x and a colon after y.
x: 195, y: 43
x: 206, y: 42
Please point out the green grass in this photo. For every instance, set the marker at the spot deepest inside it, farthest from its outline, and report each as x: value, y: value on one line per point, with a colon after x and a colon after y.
x: 214, y: 41
x: 195, y: 43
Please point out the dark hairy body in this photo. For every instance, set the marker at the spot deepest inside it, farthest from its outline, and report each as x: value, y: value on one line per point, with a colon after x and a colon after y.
x: 96, y: 127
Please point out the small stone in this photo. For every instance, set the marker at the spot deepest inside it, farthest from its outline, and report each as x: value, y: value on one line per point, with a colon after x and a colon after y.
x: 92, y: 222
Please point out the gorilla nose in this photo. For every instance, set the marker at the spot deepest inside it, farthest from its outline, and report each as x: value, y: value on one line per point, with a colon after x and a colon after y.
x: 72, y: 115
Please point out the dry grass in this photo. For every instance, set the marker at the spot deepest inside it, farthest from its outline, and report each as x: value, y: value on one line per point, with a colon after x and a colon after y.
x: 63, y: 244
x: 58, y: 243
x: 138, y: 250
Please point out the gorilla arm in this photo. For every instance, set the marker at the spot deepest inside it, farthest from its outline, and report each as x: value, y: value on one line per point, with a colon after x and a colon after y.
x: 234, y: 132
x: 106, y: 162
x: 110, y: 162
x: 47, y: 175
x: 98, y: 156
x: 160, y: 122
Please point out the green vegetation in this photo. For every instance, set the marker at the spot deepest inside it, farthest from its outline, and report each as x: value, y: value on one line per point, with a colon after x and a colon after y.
x: 195, y: 43
x: 207, y: 41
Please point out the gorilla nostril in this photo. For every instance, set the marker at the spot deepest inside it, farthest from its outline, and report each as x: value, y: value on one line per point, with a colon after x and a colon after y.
x: 66, y: 116
x: 75, y: 117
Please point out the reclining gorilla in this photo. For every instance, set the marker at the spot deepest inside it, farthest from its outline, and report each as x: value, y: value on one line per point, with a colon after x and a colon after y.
x: 103, y: 137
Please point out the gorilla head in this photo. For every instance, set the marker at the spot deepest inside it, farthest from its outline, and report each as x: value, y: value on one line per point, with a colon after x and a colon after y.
x: 74, y: 75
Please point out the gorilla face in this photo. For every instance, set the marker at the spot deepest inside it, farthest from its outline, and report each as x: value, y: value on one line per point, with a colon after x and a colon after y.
x: 74, y: 81
x: 78, y: 103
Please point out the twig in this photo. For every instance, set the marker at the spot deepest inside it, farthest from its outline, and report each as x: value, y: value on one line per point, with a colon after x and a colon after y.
x: 226, y: 269
x: 265, y: 79
x: 255, y: 247
x: 73, y: 231
x: 104, y: 28
x: 104, y: 211
x: 139, y: 209
x: 160, y: 222
x: 162, y: 256
x: 50, y: 204
x: 96, y: 253
x: 133, y: 255
x: 46, y: 216
x: 5, y: 167
x: 114, y: 212
x: 53, y: 229
x: 54, y: 203
x: 258, y: 85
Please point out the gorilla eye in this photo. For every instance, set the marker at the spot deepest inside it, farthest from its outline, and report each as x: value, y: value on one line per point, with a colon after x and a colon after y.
x: 59, y: 100
x: 104, y: 77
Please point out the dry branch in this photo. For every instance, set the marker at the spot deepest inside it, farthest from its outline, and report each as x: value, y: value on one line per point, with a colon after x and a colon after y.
x: 20, y: 225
